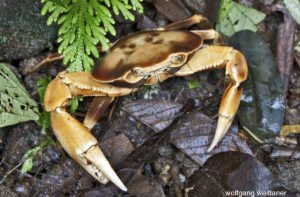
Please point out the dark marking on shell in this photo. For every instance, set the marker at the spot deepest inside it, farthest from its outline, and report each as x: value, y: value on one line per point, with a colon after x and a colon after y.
x: 132, y: 46
x: 128, y: 52
x: 149, y: 39
x: 122, y: 83
x: 116, y: 64
x: 159, y: 41
x: 123, y: 46
x: 155, y: 33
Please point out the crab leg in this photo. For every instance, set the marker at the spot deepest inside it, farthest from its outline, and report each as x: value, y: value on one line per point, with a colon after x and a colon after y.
x: 206, y: 34
x: 195, y: 19
x: 55, y: 57
x: 76, y: 138
x: 96, y: 109
x: 209, y: 34
x: 237, y: 70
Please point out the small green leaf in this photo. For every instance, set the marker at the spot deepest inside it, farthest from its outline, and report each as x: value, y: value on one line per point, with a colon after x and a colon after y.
x: 59, y: 2
x: 294, y: 7
x: 44, y: 119
x: 234, y: 17
x: 74, y: 103
x: 15, y: 103
x: 32, y: 153
x: 42, y: 84
x: 193, y: 84
x: 225, y: 7
x: 27, y: 165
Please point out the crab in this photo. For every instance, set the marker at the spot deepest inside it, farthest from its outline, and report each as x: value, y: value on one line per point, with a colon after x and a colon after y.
x: 144, y: 58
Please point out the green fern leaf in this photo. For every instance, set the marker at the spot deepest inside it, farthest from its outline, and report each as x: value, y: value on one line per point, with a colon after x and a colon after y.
x: 83, y: 25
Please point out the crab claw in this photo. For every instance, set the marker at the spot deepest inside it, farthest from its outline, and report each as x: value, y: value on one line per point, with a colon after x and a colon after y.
x: 228, y: 108
x: 83, y: 147
x: 237, y: 71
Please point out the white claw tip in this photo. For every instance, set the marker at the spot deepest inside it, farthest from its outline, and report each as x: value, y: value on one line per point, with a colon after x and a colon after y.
x: 212, y: 145
x: 97, y: 158
x: 123, y: 187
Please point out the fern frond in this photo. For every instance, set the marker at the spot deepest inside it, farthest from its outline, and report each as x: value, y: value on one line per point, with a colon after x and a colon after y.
x: 84, y: 24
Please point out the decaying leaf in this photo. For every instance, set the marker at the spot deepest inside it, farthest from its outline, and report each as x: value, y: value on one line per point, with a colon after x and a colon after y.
x: 15, y: 103
x: 195, y: 133
x: 173, y: 10
x: 141, y: 185
x: 233, y: 174
x: 157, y: 114
x: 117, y: 149
x: 201, y: 184
x: 262, y: 105
x: 241, y: 172
x: 234, y: 17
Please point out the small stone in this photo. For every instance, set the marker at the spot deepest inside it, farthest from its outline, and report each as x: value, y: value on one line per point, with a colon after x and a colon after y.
x: 180, y: 156
x: 181, y: 178
x: 165, y: 151
x: 189, y: 167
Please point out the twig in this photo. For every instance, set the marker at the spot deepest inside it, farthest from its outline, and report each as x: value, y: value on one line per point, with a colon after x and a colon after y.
x: 9, y: 172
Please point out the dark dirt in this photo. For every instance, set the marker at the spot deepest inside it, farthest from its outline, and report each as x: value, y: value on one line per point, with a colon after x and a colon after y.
x: 160, y: 162
x: 23, y: 30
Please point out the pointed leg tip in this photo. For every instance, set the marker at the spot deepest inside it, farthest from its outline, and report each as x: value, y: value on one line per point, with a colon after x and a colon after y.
x: 212, y: 145
x: 210, y: 148
x: 223, y: 125
x: 122, y: 187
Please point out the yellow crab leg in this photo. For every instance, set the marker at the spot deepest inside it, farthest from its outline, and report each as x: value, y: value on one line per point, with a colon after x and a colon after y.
x: 236, y: 69
x: 195, y: 19
x: 96, y: 109
x: 209, y: 34
x: 76, y: 138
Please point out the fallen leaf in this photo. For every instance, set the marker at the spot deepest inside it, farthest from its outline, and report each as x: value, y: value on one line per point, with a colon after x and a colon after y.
x: 141, y: 185
x: 294, y: 7
x: 237, y: 171
x: 15, y: 103
x: 201, y: 184
x: 285, y: 45
x: 157, y: 114
x: 195, y: 133
x: 174, y: 10
x: 234, y: 174
x: 234, y: 17
x: 262, y: 104
x: 117, y: 149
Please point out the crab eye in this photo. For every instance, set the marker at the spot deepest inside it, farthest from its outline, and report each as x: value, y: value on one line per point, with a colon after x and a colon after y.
x: 136, y: 70
x: 177, y: 59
